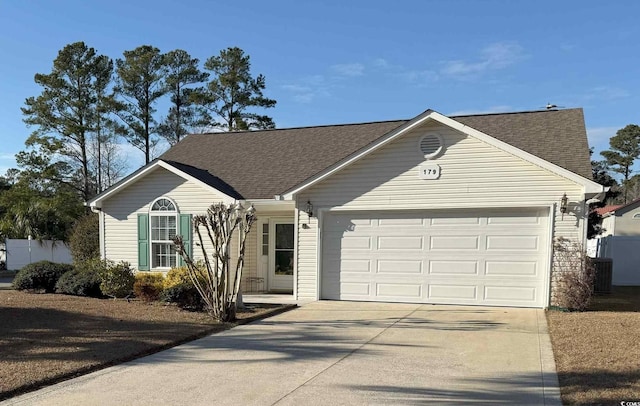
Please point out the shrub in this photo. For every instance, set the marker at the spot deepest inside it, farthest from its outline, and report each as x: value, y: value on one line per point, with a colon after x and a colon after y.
x: 148, y: 286
x: 575, y: 275
x: 185, y: 295
x: 117, y: 280
x: 41, y: 276
x: 80, y: 282
x: 180, y: 275
x: 84, y: 242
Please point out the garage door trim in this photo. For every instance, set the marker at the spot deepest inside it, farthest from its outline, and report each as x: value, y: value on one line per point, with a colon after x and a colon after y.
x: 546, y: 261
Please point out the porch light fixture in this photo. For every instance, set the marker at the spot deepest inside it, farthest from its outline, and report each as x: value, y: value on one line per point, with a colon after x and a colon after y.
x: 309, y: 209
x: 563, y: 204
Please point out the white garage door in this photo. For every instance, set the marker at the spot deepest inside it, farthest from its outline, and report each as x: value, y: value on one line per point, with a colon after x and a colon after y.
x: 489, y: 257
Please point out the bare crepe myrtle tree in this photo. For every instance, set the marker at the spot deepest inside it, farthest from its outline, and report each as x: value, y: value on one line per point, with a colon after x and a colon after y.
x: 220, y: 284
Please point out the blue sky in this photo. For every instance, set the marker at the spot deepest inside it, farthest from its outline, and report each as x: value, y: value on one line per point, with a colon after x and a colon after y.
x: 330, y: 62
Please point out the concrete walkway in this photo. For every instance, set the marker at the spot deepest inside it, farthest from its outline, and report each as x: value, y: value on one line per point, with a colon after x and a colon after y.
x: 340, y: 353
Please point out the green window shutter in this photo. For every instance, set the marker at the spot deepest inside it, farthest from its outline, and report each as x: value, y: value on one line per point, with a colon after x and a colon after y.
x: 185, y: 232
x: 143, y: 242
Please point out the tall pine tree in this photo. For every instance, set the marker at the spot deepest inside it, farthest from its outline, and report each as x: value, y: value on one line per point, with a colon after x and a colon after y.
x: 624, y: 150
x: 184, y: 116
x: 65, y: 116
x: 233, y: 93
x: 139, y: 86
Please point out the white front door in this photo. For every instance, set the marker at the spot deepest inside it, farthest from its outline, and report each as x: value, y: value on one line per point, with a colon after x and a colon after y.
x: 281, y: 254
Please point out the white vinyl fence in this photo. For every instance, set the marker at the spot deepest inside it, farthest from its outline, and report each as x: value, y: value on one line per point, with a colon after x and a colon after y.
x: 625, y: 253
x: 22, y: 252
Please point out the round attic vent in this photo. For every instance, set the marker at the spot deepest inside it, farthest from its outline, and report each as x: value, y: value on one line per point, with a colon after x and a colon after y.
x: 431, y: 145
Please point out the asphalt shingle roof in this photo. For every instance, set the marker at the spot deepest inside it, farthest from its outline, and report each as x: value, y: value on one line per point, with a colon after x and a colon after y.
x: 261, y: 164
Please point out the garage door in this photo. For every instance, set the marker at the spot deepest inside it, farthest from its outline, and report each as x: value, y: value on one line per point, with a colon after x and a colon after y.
x: 489, y: 257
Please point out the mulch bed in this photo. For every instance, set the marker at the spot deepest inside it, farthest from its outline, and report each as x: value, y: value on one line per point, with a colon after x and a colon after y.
x: 598, y: 352
x: 47, y: 338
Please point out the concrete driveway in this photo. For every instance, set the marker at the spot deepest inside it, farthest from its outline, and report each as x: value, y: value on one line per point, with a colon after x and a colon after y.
x: 340, y: 353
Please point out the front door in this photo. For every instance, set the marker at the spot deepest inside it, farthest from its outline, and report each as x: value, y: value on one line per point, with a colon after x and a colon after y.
x: 281, y: 258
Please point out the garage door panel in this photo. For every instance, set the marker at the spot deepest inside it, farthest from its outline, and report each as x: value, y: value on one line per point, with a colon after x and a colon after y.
x: 511, y: 294
x: 513, y: 220
x: 447, y: 221
x: 453, y: 292
x: 454, y: 242
x: 398, y: 266
x: 405, y: 222
x: 511, y: 268
x: 356, y: 243
x: 355, y: 289
x: 393, y: 290
x: 452, y: 257
x: 400, y: 243
x: 453, y: 267
x: 513, y: 242
x: 351, y: 265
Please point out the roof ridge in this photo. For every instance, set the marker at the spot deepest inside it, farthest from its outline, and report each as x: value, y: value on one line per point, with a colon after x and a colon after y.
x: 302, y: 127
x: 513, y: 112
x: 380, y: 122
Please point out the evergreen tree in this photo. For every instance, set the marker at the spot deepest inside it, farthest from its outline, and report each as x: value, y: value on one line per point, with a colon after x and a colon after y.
x: 624, y: 150
x: 184, y: 116
x: 65, y: 114
x: 139, y: 86
x: 232, y: 93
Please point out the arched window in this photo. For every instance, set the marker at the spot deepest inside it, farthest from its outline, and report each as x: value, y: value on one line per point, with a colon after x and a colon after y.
x: 164, y: 227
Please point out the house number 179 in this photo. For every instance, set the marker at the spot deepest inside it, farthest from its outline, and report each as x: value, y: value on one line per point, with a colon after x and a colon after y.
x: 430, y: 171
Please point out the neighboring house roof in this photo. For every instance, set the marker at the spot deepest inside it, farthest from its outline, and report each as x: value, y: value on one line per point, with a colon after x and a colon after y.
x: 618, y: 208
x: 261, y: 164
x: 606, y: 209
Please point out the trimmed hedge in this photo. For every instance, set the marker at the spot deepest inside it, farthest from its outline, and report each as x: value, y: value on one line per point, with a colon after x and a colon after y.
x: 80, y: 282
x: 117, y: 280
x: 180, y: 275
x: 40, y: 276
x: 185, y: 295
x: 84, y: 242
x: 148, y: 286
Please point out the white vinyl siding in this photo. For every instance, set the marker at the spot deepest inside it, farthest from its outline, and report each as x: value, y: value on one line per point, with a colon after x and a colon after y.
x: 474, y: 175
x: 121, y: 210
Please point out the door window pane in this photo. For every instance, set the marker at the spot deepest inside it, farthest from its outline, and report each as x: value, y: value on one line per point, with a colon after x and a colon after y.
x: 284, y: 262
x: 284, y: 236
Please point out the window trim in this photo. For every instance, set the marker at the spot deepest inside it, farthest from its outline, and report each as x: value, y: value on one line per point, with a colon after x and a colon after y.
x: 162, y: 213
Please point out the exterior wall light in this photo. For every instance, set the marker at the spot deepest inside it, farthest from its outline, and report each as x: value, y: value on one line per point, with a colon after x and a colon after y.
x: 309, y: 209
x: 563, y: 204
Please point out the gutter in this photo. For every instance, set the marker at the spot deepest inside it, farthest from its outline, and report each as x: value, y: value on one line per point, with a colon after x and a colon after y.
x: 600, y: 196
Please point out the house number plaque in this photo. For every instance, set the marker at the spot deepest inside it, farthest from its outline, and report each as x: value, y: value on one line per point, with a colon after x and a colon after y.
x: 430, y: 171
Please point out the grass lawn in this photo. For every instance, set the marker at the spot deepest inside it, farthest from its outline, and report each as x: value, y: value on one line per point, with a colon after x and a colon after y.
x: 598, y: 352
x: 46, y: 338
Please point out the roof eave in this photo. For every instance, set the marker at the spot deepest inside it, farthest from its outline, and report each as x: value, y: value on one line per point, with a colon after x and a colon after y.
x: 96, y: 202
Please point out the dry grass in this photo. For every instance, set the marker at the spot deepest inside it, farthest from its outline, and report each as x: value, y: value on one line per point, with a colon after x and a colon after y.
x: 48, y: 338
x: 597, y: 352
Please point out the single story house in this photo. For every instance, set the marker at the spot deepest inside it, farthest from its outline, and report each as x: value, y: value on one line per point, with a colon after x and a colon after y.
x: 435, y: 209
x: 621, y: 219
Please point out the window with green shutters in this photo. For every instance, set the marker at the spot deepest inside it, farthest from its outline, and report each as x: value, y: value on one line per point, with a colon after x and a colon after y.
x: 156, y: 232
x: 143, y: 242
x: 185, y: 232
